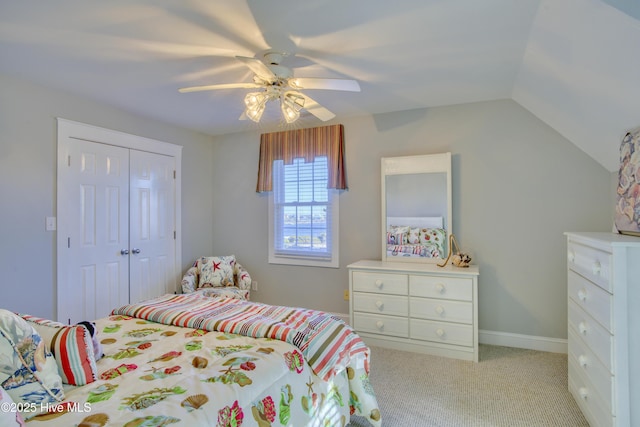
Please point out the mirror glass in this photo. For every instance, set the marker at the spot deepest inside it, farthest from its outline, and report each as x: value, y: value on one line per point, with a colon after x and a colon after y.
x: 416, y: 208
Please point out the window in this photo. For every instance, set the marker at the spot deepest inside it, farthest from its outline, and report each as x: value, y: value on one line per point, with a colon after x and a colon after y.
x: 303, y: 215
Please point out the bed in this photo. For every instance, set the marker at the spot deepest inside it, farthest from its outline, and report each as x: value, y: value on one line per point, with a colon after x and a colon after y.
x: 416, y: 237
x: 192, y: 360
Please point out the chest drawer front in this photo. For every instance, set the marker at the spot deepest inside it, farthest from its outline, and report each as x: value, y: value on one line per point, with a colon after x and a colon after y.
x: 591, y: 263
x: 442, y: 332
x: 593, y: 299
x: 381, y: 304
x: 597, y: 338
x: 383, y: 283
x: 586, y: 362
x: 593, y: 406
x: 380, y: 324
x: 455, y: 288
x: 443, y: 310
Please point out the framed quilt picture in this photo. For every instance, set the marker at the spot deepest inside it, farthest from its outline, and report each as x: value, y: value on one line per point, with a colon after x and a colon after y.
x: 627, y: 216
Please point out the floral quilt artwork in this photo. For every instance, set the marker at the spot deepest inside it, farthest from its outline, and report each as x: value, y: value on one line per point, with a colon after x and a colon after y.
x: 155, y: 374
x: 627, y: 217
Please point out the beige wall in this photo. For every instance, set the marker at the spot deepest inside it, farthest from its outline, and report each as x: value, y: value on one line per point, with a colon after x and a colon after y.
x: 518, y: 185
x: 28, y: 186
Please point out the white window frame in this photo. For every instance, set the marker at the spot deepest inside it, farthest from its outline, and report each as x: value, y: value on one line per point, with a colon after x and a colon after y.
x: 333, y: 261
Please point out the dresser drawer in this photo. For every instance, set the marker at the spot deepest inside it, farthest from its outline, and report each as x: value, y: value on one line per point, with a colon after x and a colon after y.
x: 592, y: 369
x: 592, y: 405
x: 591, y: 298
x: 442, y: 332
x: 596, y: 337
x: 379, y: 324
x: 383, y: 283
x: 456, y: 288
x: 381, y: 304
x: 591, y: 263
x: 444, y: 310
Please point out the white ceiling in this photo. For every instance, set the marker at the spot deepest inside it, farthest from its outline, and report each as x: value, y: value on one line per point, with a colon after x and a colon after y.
x: 572, y: 63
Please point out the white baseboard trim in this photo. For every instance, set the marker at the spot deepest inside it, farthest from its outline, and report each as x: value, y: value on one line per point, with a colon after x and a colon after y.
x: 531, y: 342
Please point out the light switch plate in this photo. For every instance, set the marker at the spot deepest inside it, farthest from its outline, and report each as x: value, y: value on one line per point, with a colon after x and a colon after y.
x: 50, y: 224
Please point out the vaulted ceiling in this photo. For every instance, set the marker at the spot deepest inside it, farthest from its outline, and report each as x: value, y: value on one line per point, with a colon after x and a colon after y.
x: 572, y: 63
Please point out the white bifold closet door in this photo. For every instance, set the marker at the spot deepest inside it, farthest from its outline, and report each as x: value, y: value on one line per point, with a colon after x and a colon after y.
x: 117, y: 208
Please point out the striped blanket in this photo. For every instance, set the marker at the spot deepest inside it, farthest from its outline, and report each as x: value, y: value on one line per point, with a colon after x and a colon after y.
x: 328, y: 344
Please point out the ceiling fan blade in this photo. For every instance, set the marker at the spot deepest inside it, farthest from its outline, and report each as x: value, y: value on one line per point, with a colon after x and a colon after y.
x: 330, y: 84
x: 316, y: 109
x: 258, y: 67
x: 222, y: 86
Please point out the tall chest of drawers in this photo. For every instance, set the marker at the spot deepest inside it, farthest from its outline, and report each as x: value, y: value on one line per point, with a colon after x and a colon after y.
x: 603, y: 282
x: 416, y: 307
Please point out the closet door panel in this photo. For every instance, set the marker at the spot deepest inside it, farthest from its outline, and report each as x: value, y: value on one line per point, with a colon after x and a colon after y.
x: 152, y: 219
x: 95, y: 191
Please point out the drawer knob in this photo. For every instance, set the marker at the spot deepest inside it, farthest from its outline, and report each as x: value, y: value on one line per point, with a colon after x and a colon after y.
x: 439, y: 309
x: 583, y: 328
x: 583, y: 392
x: 380, y: 305
x: 595, y: 267
x: 440, y: 332
x: 583, y: 360
x: 440, y: 288
x: 582, y: 294
x: 379, y: 283
x: 571, y: 256
x: 380, y: 324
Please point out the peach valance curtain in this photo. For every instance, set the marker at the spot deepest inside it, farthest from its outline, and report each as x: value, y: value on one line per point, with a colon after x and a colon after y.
x: 303, y: 143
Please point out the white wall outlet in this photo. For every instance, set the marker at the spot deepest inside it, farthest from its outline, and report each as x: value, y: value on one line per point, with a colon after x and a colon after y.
x: 50, y: 223
x: 254, y: 285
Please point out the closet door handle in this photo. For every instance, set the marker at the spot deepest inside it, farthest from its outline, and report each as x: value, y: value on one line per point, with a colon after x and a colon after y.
x: 124, y: 251
x: 135, y: 251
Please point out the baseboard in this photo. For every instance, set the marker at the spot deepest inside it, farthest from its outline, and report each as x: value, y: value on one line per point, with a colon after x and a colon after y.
x: 531, y: 342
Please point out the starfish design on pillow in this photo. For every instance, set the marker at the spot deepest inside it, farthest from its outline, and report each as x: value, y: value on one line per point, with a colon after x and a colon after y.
x: 216, y: 266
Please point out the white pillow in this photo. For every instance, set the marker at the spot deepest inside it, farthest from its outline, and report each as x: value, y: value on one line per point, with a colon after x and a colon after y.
x: 28, y: 371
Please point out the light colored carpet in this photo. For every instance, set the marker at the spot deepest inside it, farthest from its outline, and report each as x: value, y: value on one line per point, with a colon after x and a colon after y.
x: 508, y: 387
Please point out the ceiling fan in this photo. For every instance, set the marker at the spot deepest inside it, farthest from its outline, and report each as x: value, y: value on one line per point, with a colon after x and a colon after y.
x: 277, y: 82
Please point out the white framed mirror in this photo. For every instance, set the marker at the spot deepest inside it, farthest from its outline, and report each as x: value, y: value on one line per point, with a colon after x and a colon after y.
x: 416, y: 208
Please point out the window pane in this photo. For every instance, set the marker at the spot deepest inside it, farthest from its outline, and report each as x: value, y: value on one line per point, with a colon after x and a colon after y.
x: 301, y: 225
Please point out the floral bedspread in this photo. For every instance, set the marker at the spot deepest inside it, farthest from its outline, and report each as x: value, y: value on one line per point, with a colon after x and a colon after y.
x: 159, y: 375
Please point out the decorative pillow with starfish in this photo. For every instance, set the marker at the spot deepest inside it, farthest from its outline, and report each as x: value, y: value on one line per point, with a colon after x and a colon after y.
x: 216, y: 271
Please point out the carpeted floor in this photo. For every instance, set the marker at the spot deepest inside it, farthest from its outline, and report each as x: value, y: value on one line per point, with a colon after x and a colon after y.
x: 508, y: 387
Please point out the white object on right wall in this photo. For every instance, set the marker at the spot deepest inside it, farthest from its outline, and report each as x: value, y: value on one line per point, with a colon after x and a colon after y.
x: 627, y: 216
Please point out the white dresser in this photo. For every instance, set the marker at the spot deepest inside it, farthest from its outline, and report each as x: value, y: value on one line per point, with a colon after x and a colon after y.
x: 604, y: 326
x: 416, y: 307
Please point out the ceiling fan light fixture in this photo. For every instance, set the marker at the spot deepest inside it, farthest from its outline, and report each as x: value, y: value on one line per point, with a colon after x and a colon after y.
x: 290, y: 114
x: 255, y: 102
x: 291, y: 104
